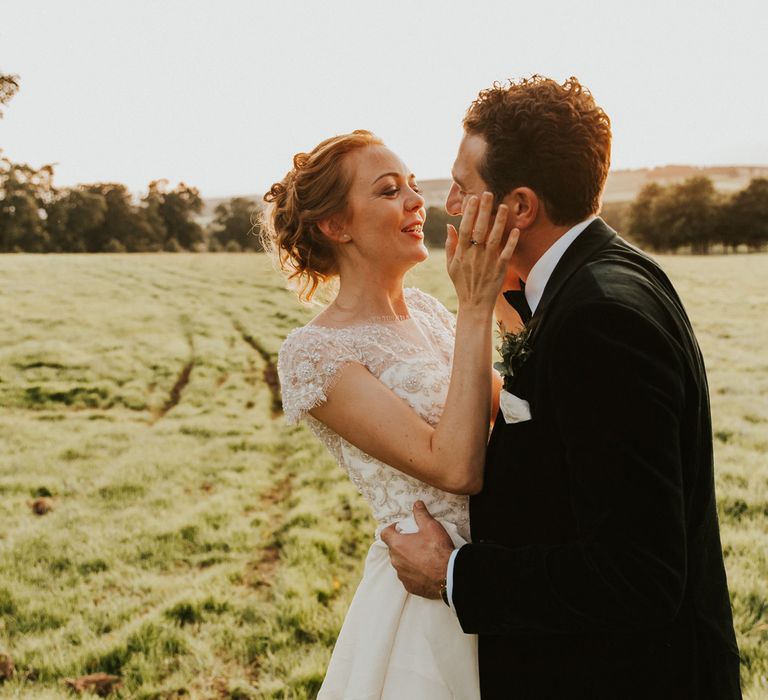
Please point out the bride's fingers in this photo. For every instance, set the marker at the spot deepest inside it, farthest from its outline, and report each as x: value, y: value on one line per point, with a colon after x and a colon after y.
x: 451, y: 242
x: 497, y: 232
x: 480, y: 227
x: 468, y: 222
x: 509, y: 248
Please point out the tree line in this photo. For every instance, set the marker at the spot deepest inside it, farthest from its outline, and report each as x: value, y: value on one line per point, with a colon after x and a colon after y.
x: 693, y: 216
x: 36, y: 216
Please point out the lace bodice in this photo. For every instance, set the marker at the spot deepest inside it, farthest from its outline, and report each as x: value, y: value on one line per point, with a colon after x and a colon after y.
x: 413, y: 358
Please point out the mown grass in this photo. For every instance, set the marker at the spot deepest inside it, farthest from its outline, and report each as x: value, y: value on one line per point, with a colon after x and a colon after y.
x: 197, y: 546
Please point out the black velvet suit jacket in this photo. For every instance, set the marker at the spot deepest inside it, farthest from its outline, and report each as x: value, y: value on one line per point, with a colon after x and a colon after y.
x: 596, y: 569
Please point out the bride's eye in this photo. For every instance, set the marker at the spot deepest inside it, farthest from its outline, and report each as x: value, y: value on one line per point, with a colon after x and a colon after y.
x: 415, y: 187
x: 392, y: 191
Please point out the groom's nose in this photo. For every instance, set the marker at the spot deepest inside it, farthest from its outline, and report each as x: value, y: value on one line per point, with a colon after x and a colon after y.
x: 453, y: 202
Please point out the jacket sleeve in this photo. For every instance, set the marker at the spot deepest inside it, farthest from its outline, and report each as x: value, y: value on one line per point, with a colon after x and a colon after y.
x: 617, y: 381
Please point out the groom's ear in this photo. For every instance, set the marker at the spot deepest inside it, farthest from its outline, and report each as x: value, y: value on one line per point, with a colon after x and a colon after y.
x: 524, y: 207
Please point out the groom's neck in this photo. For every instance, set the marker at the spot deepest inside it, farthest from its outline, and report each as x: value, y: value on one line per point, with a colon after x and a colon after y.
x: 533, y: 243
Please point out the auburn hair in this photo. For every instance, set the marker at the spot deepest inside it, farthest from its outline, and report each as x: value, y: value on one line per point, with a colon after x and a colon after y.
x: 552, y: 138
x: 316, y: 188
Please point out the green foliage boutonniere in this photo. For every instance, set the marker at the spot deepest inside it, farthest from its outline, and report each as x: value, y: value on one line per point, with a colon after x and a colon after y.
x: 514, y: 351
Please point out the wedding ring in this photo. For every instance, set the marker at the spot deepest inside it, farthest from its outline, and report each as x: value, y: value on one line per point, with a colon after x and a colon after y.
x: 473, y: 242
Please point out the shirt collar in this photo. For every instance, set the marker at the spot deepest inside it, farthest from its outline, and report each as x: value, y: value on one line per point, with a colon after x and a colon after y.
x: 545, y: 265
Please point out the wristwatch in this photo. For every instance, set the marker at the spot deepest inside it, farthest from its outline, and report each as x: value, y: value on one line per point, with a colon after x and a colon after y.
x: 444, y: 591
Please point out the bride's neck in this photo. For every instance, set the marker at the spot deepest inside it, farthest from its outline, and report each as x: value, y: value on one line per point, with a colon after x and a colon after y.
x: 365, y: 294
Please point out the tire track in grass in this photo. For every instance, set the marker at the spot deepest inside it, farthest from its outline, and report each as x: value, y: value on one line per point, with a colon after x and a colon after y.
x: 174, y: 397
x: 271, y: 378
x: 261, y: 572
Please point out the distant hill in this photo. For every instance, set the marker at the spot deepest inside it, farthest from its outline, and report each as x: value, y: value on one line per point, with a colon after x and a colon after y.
x: 622, y: 185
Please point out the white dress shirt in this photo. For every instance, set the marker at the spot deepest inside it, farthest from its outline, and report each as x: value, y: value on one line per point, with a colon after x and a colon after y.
x: 534, y: 289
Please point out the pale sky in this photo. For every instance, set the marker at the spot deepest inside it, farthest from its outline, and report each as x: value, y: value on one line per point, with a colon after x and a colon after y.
x: 222, y: 94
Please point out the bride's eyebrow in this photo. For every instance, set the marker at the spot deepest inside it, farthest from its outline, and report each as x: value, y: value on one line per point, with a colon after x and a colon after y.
x: 392, y: 174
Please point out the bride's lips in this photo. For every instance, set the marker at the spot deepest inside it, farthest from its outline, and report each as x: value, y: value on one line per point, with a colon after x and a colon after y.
x: 414, y: 229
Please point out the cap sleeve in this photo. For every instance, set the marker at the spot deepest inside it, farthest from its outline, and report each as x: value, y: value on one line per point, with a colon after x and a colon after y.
x: 308, y: 364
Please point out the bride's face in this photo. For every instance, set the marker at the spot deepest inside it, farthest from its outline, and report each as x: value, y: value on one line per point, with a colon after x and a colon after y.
x: 385, y: 210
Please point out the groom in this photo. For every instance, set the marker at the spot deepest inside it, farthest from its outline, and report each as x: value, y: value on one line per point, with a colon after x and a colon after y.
x: 596, y: 569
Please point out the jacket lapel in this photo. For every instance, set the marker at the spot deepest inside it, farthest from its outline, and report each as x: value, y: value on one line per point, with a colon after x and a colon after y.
x: 597, y: 236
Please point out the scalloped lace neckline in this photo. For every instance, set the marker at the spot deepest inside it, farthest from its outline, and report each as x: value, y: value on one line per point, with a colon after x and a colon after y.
x: 372, y: 321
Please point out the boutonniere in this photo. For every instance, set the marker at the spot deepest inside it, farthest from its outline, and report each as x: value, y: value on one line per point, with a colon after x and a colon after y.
x: 514, y: 350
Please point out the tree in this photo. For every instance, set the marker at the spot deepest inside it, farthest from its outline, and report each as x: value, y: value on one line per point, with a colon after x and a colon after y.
x: 123, y: 221
x: 688, y: 212
x: 745, y: 218
x: 684, y: 214
x: 9, y: 86
x: 641, y: 217
x: 71, y: 216
x: 152, y: 202
x: 176, y: 210
x: 24, y: 193
x: 236, y: 221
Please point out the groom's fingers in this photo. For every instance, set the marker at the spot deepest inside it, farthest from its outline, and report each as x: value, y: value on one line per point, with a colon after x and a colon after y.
x: 421, y: 515
x: 388, y: 533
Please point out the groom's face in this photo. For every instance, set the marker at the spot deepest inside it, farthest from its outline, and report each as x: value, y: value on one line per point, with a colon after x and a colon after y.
x: 467, y: 180
x: 466, y: 174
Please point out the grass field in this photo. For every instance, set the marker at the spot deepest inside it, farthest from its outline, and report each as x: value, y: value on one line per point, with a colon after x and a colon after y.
x: 196, y: 546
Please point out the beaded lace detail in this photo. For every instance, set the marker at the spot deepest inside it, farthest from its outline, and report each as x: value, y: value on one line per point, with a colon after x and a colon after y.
x: 412, y: 356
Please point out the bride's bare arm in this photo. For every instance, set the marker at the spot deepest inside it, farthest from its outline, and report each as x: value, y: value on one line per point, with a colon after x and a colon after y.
x: 369, y: 415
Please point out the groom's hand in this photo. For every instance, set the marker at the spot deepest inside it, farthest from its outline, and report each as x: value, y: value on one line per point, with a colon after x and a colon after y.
x: 420, y: 559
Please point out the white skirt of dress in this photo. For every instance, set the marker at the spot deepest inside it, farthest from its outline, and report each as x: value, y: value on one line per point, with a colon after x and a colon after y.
x: 397, y: 646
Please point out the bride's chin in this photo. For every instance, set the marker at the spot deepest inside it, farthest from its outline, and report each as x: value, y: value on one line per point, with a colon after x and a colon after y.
x: 423, y: 253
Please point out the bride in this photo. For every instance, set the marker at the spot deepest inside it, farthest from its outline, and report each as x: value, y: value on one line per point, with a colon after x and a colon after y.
x: 376, y: 377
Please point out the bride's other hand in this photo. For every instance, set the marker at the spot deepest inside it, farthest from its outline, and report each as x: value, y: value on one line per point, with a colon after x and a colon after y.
x: 477, y: 256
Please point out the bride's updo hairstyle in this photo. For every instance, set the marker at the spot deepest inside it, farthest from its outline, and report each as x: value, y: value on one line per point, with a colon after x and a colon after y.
x: 316, y: 188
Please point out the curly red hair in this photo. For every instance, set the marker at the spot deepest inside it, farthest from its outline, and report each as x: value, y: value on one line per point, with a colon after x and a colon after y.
x: 316, y: 188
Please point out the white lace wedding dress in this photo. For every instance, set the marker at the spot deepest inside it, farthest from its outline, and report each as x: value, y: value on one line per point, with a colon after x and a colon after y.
x: 392, y: 645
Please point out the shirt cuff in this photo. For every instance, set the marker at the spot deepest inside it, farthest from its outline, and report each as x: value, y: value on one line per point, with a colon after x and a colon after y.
x: 449, y: 578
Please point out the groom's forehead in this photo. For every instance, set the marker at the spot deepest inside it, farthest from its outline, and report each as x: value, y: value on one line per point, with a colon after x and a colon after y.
x: 471, y: 152
x: 472, y: 148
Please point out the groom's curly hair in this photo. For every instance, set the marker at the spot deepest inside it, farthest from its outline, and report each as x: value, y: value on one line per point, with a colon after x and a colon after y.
x: 552, y: 138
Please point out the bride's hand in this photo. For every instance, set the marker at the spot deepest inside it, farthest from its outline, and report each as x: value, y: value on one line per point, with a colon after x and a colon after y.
x: 477, y: 260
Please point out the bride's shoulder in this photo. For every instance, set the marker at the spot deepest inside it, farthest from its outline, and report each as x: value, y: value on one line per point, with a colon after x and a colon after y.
x: 310, y: 339
x: 307, y: 365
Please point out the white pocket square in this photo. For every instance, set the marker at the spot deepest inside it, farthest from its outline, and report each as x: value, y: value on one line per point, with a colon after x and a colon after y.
x: 513, y: 408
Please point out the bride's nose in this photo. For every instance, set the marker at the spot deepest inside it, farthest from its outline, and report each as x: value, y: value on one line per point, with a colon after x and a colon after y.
x: 414, y: 201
